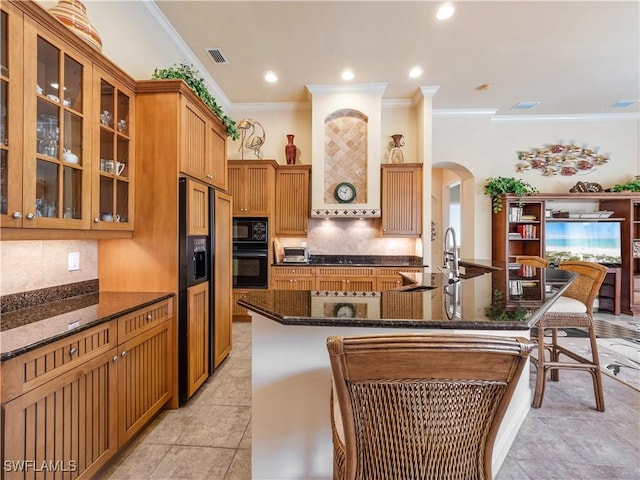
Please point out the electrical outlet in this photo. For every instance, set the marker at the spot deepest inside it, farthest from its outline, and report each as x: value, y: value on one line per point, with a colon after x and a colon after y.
x: 74, y: 261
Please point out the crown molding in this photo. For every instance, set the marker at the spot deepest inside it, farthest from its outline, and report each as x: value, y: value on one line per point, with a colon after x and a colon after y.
x: 270, y: 106
x: 566, y: 117
x: 465, y: 112
x: 377, y: 88
x: 156, y: 14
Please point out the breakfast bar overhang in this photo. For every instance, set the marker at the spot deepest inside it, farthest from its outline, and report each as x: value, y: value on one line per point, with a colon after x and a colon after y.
x: 291, y: 432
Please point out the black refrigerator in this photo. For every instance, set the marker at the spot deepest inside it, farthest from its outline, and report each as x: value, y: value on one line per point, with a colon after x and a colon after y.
x: 196, y: 266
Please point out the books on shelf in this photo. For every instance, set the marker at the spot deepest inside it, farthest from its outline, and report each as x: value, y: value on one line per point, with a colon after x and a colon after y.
x: 528, y: 217
x: 525, y: 231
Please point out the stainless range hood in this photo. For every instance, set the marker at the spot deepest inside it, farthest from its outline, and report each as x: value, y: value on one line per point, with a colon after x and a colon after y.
x: 346, y: 148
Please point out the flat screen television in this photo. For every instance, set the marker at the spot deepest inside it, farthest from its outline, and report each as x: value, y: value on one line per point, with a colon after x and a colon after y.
x: 588, y: 241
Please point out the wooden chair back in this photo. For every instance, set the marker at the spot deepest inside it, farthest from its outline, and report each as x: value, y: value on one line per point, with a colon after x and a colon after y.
x: 423, y: 406
x: 532, y: 261
x: 585, y: 288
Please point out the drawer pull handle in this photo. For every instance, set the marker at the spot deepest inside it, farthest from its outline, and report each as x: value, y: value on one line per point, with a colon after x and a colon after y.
x: 73, y: 351
x: 149, y: 317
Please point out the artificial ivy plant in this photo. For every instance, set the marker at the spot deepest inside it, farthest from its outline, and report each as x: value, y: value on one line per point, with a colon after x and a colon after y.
x: 194, y: 80
x: 632, y: 185
x: 497, y: 186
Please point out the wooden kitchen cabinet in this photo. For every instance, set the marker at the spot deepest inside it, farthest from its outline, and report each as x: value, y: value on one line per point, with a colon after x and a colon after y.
x: 50, y: 160
x: 346, y: 279
x: 252, y: 185
x: 197, y: 208
x: 78, y: 399
x: 401, y: 200
x: 145, y: 350
x: 222, y: 281
x: 197, y: 336
x: 204, y: 145
x: 240, y: 313
x: 60, y: 403
x: 292, y: 200
x: 292, y: 278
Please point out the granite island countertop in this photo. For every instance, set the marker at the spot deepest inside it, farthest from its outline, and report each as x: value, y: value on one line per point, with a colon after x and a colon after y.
x: 482, y: 302
x: 359, y: 261
x: 29, y: 328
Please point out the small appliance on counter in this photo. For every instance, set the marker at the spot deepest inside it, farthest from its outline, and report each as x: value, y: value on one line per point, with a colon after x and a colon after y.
x: 296, y: 255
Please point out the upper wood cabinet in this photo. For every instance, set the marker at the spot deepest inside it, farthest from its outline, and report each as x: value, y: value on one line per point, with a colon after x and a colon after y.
x: 252, y: 185
x: 292, y: 200
x: 402, y: 200
x: 197, y: 208
x: 55, y: 90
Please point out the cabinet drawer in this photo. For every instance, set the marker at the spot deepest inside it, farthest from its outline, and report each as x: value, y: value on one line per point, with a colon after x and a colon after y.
x: 142, y: 320
x: 32, y: 369
x: 292, y: 271
x: 346, y: 272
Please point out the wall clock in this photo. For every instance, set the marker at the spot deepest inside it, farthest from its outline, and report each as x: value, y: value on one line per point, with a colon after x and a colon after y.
x: 345, y: 310
x: 345, y: 192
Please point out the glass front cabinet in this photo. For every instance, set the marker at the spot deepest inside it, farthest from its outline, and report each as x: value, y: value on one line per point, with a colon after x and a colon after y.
x: 65, y: 131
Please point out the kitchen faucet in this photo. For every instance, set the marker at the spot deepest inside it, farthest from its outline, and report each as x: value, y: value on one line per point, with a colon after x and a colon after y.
x: 451, y: 261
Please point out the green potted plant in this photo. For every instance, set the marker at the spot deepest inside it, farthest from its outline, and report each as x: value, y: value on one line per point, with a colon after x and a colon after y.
x: 497, y: 186
x: 194, y: 80
x: 632, y: 185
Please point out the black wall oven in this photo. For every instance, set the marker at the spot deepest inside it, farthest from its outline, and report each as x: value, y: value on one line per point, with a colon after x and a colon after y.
x: 250, y: 252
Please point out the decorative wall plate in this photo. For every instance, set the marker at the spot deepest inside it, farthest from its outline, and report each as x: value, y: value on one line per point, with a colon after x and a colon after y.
x: 558, y: 159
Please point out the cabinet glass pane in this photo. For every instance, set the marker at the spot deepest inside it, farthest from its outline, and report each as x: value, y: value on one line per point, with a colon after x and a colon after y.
x: 4, y: 134
x: 122, y: 207
x: 123, y: 114
x: 72, y: 138
x: 4, y: 70
x: 106, y: 198
x: 46, y: 189
x: 48, y: 70
x: 3, y: 182
x: 123, y: 157
x: 47, y: 130
x: 107, y: 163
x: 72, y: 193
x: 72, y: 91
x: 106, y: 104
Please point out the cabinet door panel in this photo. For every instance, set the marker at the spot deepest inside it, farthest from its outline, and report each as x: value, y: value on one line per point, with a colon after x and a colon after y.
x: 222, y: 297
x: 68, y: 422
x: 292, y: 201
x: 197, y: 336
x: 401, y: 200
x: 197, y: 208
x: 194, y: 134
x: 144, y: 378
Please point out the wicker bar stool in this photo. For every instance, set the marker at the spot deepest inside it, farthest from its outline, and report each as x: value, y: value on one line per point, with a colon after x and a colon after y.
x: 420, y: 406
x: 574, y: 309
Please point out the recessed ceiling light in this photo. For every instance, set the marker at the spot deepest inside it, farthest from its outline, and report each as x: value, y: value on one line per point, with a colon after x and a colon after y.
x: 271, y: 77
x: 415, y: 72
x: 623, y: 103
x: 525, y: 105
x: 445, y: 11
x: 347, y: 75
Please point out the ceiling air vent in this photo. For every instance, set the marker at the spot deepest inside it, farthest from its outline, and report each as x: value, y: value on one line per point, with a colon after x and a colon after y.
x: 623, y: 103
x: 216, y: 55
x: 524, y: 105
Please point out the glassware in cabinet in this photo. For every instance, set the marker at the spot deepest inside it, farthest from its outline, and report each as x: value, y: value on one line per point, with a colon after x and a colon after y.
x: 113, y: 209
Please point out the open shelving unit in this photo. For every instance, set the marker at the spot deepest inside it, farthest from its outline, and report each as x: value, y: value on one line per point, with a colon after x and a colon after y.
x: 520, y: 228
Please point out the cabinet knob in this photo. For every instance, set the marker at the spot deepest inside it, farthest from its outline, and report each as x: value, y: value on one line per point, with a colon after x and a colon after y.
x: 30, y: 216
x: 73, y: 351
x: 17, y: 215
x: 96, y: 220
x: 209, y: 175
x: 149, y: 317
x: 115, y: 358
x: 124, y: 354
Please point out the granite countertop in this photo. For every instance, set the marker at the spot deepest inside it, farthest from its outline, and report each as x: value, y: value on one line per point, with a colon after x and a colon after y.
x: 478, y: 303
x: 360, y: 261
x: 29, y: 328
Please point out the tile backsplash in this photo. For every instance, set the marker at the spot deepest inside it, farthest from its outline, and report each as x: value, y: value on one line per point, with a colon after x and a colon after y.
x: 35, y: 264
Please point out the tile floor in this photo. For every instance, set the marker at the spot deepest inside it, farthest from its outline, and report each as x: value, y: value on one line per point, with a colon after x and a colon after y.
x: 210, y: 438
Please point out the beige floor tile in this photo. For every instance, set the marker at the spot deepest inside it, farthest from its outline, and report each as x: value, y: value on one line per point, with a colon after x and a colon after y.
x: 215, y: 425
x: 241, y: 466
x: 187, y: 462
x: 140, y: 463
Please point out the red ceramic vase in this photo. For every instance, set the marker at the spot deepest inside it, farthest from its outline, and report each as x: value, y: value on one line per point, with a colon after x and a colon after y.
x: 290, y: 150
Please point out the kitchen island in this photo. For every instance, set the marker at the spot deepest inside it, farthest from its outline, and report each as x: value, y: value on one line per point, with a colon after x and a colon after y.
x: 291, y: 433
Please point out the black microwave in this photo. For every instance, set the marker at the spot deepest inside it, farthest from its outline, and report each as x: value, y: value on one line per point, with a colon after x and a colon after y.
x: 250, y: 231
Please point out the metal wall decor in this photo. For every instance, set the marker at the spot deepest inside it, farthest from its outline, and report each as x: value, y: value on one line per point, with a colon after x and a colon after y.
x: 559, y: 159
x: 252, y: 136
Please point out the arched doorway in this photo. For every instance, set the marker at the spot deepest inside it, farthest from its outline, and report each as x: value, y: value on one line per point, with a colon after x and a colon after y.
x: 452, y: 203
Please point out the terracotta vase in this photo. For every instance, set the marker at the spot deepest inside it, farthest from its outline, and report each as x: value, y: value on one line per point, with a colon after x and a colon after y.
x: 73, y: 14
x: 290, y: 150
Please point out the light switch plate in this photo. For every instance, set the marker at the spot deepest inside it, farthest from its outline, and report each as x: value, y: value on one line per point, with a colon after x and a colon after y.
x: 74, y: 261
